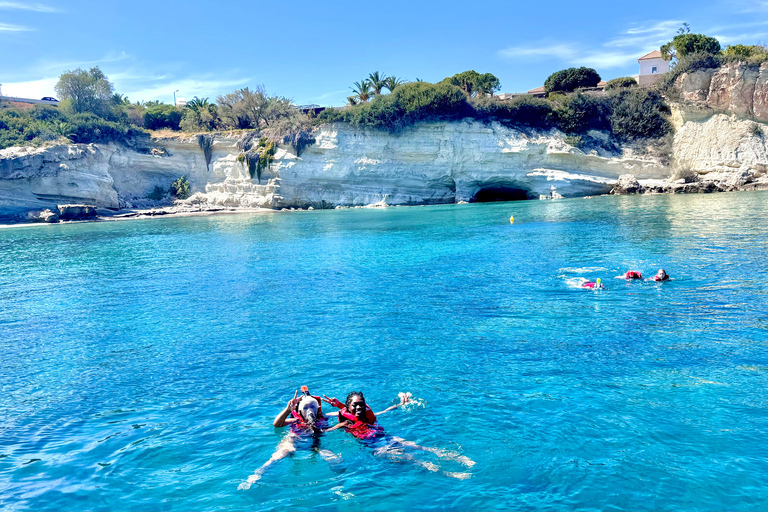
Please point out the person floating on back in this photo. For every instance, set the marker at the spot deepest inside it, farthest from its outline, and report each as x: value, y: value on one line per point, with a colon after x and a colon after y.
x: 359, y: 420
x: 305, y: 417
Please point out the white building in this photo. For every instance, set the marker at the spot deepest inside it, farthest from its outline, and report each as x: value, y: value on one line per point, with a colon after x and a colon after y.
x: 652, y: 66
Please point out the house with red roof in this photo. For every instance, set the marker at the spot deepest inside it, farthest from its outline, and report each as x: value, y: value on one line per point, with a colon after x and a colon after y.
x: 652, y: 65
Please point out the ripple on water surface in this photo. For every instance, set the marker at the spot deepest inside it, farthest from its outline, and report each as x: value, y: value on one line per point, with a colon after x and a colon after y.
x: 143, y: 361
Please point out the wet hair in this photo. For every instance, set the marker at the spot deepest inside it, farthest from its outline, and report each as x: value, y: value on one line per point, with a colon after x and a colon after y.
x: 351, y: 396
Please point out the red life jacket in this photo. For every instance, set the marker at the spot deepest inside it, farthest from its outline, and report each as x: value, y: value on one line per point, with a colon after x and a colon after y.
x: 633, y: 274
x: 657, y: 278
x: 359, y: 428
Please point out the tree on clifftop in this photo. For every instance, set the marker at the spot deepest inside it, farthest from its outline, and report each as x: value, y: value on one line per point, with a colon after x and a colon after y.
x: 473, y: 83
x: 568, y: 80
x: 85, y: 91
x: 685, y: 43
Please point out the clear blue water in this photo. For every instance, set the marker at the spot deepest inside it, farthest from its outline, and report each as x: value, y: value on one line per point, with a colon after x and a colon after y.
x: 144, y: 361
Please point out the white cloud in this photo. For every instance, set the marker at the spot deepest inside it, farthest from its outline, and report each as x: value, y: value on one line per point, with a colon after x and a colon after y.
x: 572, y: 54
x: 5, y: 27
x: 187, y: 87
x: 27, y: 7
x: 631, y: 44
x: 561, y: 51
x: 34, y: 89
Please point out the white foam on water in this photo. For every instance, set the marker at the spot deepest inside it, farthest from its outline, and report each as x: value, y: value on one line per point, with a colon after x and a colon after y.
x: 582, y: 270
x: 339, y: 491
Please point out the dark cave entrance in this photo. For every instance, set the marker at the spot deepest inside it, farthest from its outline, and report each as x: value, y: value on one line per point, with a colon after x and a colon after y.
x: 495, y: 194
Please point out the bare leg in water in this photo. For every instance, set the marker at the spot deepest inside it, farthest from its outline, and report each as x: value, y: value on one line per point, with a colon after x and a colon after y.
x: 286, y: 447
x: 394, y: 451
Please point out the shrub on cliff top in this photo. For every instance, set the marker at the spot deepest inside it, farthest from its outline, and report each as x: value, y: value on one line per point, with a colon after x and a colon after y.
x: 618, y: 83
x: 580, y: 113
x: 523, y: 111
x: 162, y: 116
x: 408, y: 104
x: 639, y: 114
x: 88, y: 128
x: 753, y: 54
x: 568, y: 80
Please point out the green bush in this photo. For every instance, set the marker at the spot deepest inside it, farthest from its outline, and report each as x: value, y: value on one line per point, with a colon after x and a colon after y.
x: 581, y: 113
x: 568, y: 80
x: 753, y: 54
x: 639, y: 114
x: 162, y: 116
x: 17, y: 128
x: 523, y: 111
x: 180, y: 188
x: 688, y: 44
x: 408, y: 104
x: 330, y: 115
x: 619, y: 83
x: 88, y: 128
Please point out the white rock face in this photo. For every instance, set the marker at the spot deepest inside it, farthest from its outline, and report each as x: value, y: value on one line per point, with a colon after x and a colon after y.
x: 723, y: 148
x: 444, y: 163
x: 429, y: 163
x: 35, y: 179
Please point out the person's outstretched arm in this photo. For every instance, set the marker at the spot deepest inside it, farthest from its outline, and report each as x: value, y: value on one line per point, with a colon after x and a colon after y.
x: 282, y: 419
x: 404, y: 399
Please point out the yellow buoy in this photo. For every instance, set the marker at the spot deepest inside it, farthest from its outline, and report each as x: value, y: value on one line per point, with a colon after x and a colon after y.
x: 512, y: 219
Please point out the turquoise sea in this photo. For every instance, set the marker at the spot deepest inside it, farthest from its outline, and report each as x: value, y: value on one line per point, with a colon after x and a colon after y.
x: 142, y: 362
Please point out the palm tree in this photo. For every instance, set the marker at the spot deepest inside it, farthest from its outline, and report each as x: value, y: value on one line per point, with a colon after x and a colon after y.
x: 352, y: 100
x: 377, y: 82
x: 362, y: 90
x: 392, y: 82
x: 198, y: 104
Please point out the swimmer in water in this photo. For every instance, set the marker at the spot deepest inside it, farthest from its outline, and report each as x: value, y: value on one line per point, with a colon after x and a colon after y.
x: 596, y: 285
x: 305, y: 417
x: 357, y: 418
x: 661, y: 275
x: 633, y: 274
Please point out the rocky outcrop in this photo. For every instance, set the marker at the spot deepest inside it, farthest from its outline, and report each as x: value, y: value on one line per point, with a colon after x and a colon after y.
x: 36, y: 178
x: 737, y: 88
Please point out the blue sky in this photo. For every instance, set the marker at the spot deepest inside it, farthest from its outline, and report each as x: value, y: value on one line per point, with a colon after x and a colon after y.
x: 312, y: 52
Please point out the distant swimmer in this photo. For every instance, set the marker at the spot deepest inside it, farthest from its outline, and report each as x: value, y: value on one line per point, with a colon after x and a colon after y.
x: 357, y: 418
x: 633, y: 274
x: 596, y: 285
x: 661, y: 275
x: 305, y: 417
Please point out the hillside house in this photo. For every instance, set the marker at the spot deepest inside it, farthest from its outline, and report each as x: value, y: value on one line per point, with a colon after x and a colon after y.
x: 652, y: 65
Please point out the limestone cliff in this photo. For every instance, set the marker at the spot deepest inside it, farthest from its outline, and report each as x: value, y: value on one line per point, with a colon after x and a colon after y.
x: 719, y: 144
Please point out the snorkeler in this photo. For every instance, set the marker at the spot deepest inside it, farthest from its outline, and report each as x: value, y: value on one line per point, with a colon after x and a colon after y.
x: 661, y: 275
x: 359, y: 420
x: 595, y: 285
x: 304, y: 415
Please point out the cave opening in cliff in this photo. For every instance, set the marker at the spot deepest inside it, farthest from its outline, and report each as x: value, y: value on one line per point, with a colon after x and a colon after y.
x: 494, y: 194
